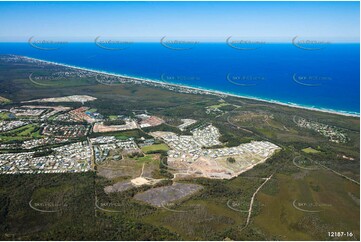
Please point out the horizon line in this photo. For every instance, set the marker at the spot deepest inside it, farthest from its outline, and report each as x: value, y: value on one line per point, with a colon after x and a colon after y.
x: 197, y: 42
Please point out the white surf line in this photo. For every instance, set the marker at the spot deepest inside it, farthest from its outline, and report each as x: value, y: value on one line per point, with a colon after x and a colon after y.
x: 338, y: 173
x: 252, y: 200
x: 211, y: 92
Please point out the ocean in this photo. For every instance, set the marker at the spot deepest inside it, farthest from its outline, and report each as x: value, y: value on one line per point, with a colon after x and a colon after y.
x: 327, y: 78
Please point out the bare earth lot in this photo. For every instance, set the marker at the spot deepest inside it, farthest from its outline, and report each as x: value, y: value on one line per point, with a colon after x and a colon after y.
x: 163, y: 195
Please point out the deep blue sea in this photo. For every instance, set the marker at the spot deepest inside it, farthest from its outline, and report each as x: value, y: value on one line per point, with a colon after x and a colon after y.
x: 327, y: 78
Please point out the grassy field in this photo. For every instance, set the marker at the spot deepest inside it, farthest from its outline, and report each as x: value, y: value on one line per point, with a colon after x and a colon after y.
x: 4, y: 115
x: 221, y: 104
x: 92, y: 110
x: 310, y: 150
x: 30, y: 131
x: 155, y: 148
x: 113, y: 117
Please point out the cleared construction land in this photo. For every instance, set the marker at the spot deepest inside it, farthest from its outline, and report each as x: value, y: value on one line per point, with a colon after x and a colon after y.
x: 162, y: 196
x: 196, y: 156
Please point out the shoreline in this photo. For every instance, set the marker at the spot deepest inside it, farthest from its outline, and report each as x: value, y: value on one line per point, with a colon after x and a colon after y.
x: 207, y: 91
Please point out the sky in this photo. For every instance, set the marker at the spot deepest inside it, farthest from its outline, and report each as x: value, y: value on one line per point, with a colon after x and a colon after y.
x: 206, y: 21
